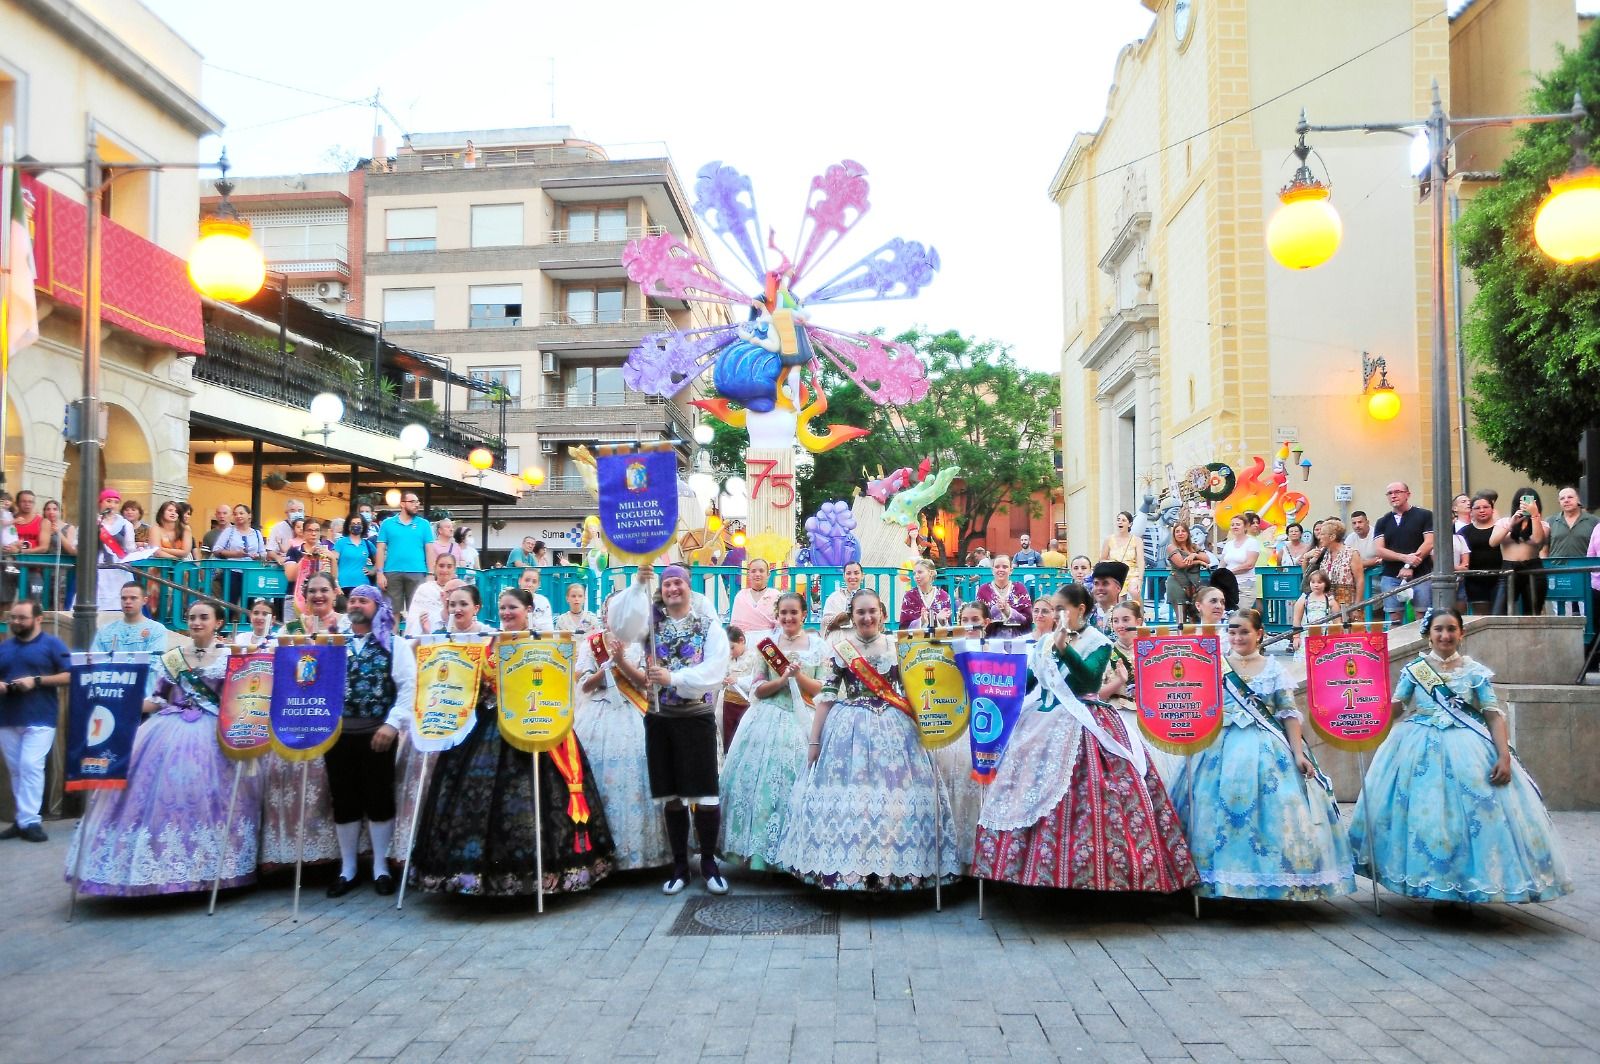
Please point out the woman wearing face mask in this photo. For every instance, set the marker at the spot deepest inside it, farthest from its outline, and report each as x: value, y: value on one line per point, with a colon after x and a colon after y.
x: 161, y: 834
x: 769, y: 749
x: 476, y: 835
x: 1454, y: 816
x: 1260, y: 816
x: 863, y: 816
x: 1074, y: 804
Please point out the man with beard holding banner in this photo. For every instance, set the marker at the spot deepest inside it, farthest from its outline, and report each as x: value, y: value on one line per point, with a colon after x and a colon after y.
x: 360, y: 764
x: 690, y: 660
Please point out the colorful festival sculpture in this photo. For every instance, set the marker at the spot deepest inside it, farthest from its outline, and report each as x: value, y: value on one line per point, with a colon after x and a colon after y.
x: 760, y: 367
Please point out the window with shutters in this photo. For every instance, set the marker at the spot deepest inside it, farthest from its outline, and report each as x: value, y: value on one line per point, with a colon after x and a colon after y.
x: 411, y: 229
x: 497, y: 225
x: 494, y: 306
x: 408, y: 308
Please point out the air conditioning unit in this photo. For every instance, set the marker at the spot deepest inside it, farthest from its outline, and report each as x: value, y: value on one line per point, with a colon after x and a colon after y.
x: 547, y: 446
x: 547, y: 362
x: 330, y: 291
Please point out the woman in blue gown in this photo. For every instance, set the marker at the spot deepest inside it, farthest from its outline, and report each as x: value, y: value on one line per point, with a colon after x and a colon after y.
x: 1454, y: 816
x: 1261, y: 821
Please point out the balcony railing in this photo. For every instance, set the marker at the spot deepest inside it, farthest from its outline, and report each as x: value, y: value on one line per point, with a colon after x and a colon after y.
x: 485, y: 158
x: 241, y: 363
x: 563, y: 482
x: 627, y: 316
x: 605, y: 236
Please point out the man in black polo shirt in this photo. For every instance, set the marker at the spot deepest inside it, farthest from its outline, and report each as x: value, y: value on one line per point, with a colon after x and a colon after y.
x: 1403, y: 539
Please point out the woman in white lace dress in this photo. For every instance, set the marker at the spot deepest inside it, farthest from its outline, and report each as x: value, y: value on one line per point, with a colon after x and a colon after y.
x: 769, y: 750
x: 865, y: 816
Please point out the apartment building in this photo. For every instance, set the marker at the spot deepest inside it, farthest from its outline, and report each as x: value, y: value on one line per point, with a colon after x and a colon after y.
x: 500, y: 251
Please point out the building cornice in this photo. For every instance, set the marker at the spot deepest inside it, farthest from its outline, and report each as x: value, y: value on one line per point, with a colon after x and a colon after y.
x: 107, y: 50
x: 1124, y: 242
x: 1127, y: 321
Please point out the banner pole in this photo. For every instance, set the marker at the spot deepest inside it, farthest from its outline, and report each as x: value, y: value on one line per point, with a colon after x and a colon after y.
x: 1188, y: 779
x: 538, y: 831
x: 83, y: 844
x: 983, y: 802
x: 411, y: 835
x: 1372, y: 853
x: 938, y: 837
x: 300, y: 840
x: 227, y: 832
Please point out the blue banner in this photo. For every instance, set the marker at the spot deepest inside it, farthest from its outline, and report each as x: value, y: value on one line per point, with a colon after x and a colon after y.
x: 104, y: 704
x: 638, y: 500
x: 307, y: 698
x: 996, y: 679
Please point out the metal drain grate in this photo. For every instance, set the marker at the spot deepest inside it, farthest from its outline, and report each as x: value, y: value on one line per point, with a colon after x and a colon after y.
x: 771, y: 914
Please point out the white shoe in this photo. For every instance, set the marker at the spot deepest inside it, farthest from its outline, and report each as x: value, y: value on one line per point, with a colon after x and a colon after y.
x: 716, y: 884
x: 676, y: 884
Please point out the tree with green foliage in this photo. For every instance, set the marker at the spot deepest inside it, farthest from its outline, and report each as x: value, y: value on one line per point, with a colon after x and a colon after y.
x: 983, y: 412
x: 1533, y: 330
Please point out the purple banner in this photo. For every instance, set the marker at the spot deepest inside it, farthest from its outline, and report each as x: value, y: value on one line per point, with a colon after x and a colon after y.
x: 307, y: 699
x: 996, y: 679
x: 105, y: 702
x: 638, y: 500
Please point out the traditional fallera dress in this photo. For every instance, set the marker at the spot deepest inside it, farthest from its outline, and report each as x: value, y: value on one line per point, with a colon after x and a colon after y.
x: 280, y: 796
x: 1074, y: 803
x: 918, y: 610
x: 477, y: 835
x: 1166, y: 765
x: 767, y: 755
x: 163, y: 834
x: 1013, y: 603
x: 863, y: 816
x: 611, y: 729
x: 1258, y: 828
x: 1440, y: 829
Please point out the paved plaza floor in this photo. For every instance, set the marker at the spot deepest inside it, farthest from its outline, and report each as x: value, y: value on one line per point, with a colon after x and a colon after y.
x: 625, y: 973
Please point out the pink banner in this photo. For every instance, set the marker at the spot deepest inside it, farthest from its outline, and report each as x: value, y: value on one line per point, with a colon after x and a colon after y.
x: 243, y: 713
x: 1178, y: 690
x: 1347, y: 688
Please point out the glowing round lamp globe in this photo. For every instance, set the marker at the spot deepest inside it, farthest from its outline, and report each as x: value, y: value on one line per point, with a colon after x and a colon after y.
x: 327, y: 408
x: 713, y: 524
x: 316, y: 483
x: 222, y: 462
x: 225, y: 264
x: 480, y: 458
x: 1567, y: 226
x: 736, y: 487
x: 1383, y: 404
x: 533, y: 476
x: 739, y: 539
x: 392, y: 497
x: 414, y: 438
x: 1304, y: 232
x: 704, y: 434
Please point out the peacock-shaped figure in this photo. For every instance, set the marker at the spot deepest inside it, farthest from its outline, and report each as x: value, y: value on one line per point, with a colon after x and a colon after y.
x: 764, y: 370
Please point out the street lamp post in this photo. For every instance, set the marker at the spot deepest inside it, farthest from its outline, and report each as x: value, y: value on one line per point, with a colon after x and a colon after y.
x: 223, y: 275
x: 1437, y: 126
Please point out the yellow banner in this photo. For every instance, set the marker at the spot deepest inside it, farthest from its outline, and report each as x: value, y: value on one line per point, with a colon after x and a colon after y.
x: 447, y: 693
x: 934, y: 687
x: 535, y: 690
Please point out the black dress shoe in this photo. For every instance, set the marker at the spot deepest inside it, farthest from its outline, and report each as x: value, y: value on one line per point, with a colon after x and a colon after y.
x: 384, y: 884
x: 342, y: 886
x: 34, y: 833
x: 12, y: 832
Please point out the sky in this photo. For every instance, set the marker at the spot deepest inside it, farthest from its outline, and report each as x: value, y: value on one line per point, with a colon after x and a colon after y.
x: 960, y: 113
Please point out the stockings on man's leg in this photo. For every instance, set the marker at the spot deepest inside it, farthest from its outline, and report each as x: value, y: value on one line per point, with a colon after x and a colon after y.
x: 677, y: 818
x: 708, y: 827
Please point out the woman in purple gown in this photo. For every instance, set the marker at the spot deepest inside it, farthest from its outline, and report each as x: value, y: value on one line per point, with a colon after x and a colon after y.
x: 164, y: 833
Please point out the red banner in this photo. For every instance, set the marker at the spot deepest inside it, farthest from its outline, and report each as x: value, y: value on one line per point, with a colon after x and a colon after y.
x: 144, y: 288
x: 1177, y: 683
x: 1347, y: 688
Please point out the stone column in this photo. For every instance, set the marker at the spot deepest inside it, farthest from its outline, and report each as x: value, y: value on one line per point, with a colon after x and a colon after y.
x: 1107, y: 504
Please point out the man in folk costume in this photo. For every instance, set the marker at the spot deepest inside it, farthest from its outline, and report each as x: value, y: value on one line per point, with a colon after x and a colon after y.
x: 378, y: 690
x: 680, y: 730
x: 1105, y: 584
